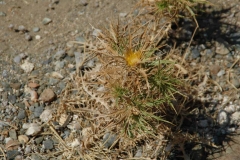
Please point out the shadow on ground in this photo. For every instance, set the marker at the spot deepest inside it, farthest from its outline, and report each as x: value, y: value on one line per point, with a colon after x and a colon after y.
x: 214, y: 137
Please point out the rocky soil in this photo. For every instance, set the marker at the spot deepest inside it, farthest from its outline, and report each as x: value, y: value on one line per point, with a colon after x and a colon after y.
x: 38, y: 59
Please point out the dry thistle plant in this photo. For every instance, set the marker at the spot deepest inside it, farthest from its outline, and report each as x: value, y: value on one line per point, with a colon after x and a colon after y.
x: 130, y: 94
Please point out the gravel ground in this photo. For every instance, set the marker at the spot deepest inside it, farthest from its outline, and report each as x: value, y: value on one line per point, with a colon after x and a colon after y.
x: 37, y: 61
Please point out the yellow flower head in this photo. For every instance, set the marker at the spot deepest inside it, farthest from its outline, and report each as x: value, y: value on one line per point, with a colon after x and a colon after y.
x: 133, y: 58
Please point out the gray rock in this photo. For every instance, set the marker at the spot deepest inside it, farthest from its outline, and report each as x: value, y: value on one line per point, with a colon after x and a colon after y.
x: 12, y: 99
x: 96, y: 32
x: 84, y: 2
x: 38, y: 140
x: 17, y: 59
x: 109, y: 139
x: 3, y: 14
x: 31, y: 108
x: 12, y: 154
x: 48, y: 144
x: 28, y: 37
x: 203, y: 123
x: 53, y: 81
x: 46, y: 21
x: 46, y: 62
x: 60, y: 55
x: 59, y: 65
x: 195, y: 53
x: 81, y: 39
x: 21, y: 28
x: 38, y: 111
x: 12, y: 133
x: 21, y: 114
x: 61, y: 85
x: 209, y: 53
x: 36, y: 29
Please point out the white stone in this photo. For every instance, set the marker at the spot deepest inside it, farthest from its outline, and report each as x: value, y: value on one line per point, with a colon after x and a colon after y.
x: 33, y: 129
x: 37, y: 37
x: 221, y: 73
x: 223, y: 118
x: 46, y: 115
x: 27, y: 66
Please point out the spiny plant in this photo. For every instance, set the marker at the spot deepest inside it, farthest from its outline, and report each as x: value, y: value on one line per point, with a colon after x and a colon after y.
x: 130, y: 92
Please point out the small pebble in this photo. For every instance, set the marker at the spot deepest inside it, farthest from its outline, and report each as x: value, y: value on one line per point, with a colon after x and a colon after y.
x: 195, y: 53
x: 3, y: 14
x: 96, y: 32
x: 36, y: 29
x: 59, y: 65
x: 39, y: 140
x: 38, y: 111
x: 19, y: 57
x: 81, y: 39
x: 203, y: 123
x: 12, y: 133
x: 47, y: 95
x: 37, y: 37
x: 46, y: 115
x: 221, y: 47
x: 11, y: 26
x: 122, y: 14
x: 109, y: 139
x: 33, y: 85
x: 221, y: 73
x: 60, y: 55
x: 48, y: 144
x: 12, y: 154
x: 27, y: 149
x: 23, y: 138
x: 84, y: 2
x: 21, y: 28
x: 27, y: 66
x: 46, y: 21
x: 33, y: 129
x: 223, y: 118
x: 28, y: 37
x: 12, y: 99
